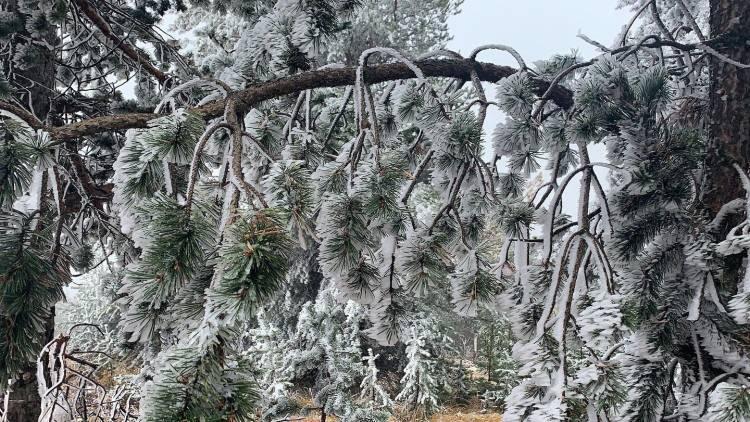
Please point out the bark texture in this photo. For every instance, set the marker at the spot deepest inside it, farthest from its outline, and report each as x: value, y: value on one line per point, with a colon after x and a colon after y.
x: 38, y: 82
x: 729, y: 105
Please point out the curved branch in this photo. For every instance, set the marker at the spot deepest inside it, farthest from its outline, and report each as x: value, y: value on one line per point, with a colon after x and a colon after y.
x: 555, y: 83
x: 195, y: 163
x: 324, y: 78
x: 512, y: 51
x: 232, y: 118
x: 417, y: 173
x: 632, y: 21
x: 550, y: 218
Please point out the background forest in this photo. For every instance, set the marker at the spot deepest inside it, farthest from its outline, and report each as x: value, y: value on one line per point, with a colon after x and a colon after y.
x: 230, y: 210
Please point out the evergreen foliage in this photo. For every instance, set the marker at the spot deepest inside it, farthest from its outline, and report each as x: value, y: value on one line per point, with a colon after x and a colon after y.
x: 32, y: 283
x: 263, y: 242
x: 418, y: 385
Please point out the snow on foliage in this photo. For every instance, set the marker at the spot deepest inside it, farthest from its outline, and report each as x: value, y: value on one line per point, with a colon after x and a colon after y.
x: 276, y: 241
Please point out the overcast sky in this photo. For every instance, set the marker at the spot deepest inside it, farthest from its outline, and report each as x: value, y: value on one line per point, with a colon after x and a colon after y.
x: 536, y: 28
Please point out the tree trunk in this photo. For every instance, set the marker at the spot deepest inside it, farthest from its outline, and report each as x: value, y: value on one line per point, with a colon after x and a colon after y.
x: 38, y: 80
x: 24, y: 403
x: 729, y: 105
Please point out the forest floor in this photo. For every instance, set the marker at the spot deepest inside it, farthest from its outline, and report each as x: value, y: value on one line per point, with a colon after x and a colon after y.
x: 445, y: 415
x: 471, y: 411
x: 466, y: 416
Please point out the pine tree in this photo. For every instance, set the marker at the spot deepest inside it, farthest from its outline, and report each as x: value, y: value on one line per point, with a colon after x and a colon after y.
x: 495, y: 342
x: 370, y: 389
x: 93, y: 303
x: 418, y: 385
x: 329, y: 347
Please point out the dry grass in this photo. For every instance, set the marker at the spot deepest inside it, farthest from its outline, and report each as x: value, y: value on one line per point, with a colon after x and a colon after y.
x: 445, y: 416
x: 469, y: 413
x: 448, y: 414
x: 109, y: 373
x: 467, y: 417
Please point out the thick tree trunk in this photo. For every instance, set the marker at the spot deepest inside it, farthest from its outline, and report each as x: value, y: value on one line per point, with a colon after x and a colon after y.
x: 38, y: 80
x: 729, y: 123
x: 729, y: 105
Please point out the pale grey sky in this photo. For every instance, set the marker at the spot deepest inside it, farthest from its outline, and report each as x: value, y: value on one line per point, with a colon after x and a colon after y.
x: 536, y: 28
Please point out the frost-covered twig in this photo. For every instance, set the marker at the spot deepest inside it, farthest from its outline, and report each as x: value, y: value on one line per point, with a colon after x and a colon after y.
x: 548, y: 93
x: 501, y: 47
x: 195, y: 163
x: 547, y: 251
x: 685, y: 59
x: 215, y: 83
x: 475, y: 80
x: 632, y: 21
x: 65, y: 372
x: 363, y: 101
x: 342, y: 109
x: 130, y: 51
x: 452, y: 194
x: 722, y: 57
x: 691, y: 20
x: 258, y: 145
x: 415, y: 178
x: 593, y: 42
x: 554, y: 287
x: 287, y: 130
x: 237, y: 174
x: 576, y: 268
x: 604, y: 203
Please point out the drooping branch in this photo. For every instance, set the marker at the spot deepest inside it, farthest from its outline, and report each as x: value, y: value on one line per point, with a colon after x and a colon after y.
x: 325, y: 78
